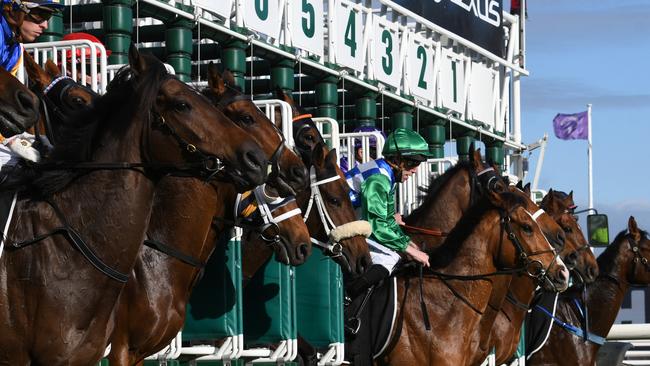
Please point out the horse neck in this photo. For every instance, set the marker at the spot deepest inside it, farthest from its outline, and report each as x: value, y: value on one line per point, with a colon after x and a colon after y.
x: 605, y: 295
x: 448, y: 206
x: 522, y: 289
x: 188, y: 206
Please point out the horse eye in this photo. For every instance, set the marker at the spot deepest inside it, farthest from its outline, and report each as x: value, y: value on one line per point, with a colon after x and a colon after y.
x: 182, y: 107
x: 247, y: 120
x: 309, y: 138
x: 335, y: 201
x: 78, y: 101
x: 527, y: 228
x: 567, y: 229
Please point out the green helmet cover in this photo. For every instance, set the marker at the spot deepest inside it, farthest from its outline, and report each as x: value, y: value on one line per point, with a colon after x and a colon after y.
x: 407, y: 143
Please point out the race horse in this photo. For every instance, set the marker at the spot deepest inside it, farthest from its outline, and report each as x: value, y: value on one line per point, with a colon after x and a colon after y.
x: 623, y: 264
x: 506, y: 328
x: 18, y: 106
x: 497, y: 235
x: 190, y: 231
x: 79, y: 225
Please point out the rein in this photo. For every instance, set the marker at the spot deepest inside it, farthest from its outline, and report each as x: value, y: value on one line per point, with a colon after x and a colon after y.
x: 77, y: 241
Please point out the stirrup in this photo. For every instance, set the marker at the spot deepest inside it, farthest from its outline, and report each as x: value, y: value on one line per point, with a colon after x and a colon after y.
x: 353, y: 325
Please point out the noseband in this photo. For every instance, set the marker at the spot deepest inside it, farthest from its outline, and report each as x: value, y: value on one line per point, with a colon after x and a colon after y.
x: 255, y: 210
x: 335, y: 233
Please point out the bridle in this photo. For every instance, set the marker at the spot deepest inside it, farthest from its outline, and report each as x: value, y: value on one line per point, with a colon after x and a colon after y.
x: 335, y: 233
x: 255, y: 210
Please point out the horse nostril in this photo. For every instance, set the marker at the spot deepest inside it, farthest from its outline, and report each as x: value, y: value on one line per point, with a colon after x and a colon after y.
x: 25, y: 102
x: 302, y: 251
x: 560, y: 239
x: 299, y: 176
x: 592, y: 272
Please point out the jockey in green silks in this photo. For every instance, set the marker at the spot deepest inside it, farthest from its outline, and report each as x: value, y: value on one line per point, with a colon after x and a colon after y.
x: 372, y: 188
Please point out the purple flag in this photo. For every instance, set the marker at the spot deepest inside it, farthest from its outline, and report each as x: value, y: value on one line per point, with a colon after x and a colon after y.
x: 571, y: 126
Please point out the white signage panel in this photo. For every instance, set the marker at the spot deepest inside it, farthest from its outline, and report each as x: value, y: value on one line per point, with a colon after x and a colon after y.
x: 483, y: 93
x: 385, y: 51
x: 348, y: 35
x: 452, y: 82
x: 420, y: 73
x: 307, y: 25
x: 221, y: 7
x: 262, y: 16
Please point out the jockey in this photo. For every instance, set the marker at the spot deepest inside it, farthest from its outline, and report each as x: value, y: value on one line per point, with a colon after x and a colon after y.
x: 372, y: 187
x: 20, y: 22
x: 358, y: 148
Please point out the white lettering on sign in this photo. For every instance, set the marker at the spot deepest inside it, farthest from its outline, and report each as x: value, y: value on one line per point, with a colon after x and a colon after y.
x: 489, y: 13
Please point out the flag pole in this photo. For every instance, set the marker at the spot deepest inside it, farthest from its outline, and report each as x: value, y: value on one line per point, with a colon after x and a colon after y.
x: 589, y: 153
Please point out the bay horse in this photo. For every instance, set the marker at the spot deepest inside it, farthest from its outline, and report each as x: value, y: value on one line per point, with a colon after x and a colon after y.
x: 506, y: 328
x: 498, y: 234
x: 333, y: 223
x: 623, y: 264
x: 18, y: 106
x: 63, y: 269
x: 191, y: 231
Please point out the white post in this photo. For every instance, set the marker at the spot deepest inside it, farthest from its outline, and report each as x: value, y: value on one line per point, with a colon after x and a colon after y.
x: 591, y: 178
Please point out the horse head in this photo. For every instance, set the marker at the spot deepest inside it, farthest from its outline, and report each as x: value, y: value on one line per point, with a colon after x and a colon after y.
x: 305, y: 133
x: 639, y: 244
x: 331, y: 217
x: 521, y: 224
x: 62, y: 96
x: 18, y: 105
x: 576, y: 253
x: 274, y: 221
x: 288, y: 174
x: 186, y: 127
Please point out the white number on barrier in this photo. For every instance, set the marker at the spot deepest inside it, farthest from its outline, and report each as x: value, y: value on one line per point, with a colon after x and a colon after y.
x: 221, y: 7
x: 262, y: 16
x: 349, y: 36
x: 307, y: 25
x: 386, y: 60
x: 420, y: 68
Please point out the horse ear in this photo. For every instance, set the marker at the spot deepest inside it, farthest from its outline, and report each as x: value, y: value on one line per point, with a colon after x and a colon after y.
x: 136, y: 61
x: 318, y: 154
x: 633, y: 229
x: 52, y: 69
x: 330, y: 159
x: 520, y: 185
x: 228, y: 77
x: 527, y: 188
x: 475, y: 157
x: 280, y: 94
x: 34, y: 71
x: 495, y: 198
x: 215, y: 82
x: 472, y: 148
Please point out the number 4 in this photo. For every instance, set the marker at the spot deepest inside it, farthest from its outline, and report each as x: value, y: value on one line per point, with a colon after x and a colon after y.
x: 350, y: 33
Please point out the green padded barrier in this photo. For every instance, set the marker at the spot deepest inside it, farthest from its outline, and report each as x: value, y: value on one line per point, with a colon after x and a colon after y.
x: 521, y: 348
x: 162, y: 363
x: 215, y: 308
x: 319, y: 289
x: 269, y: 305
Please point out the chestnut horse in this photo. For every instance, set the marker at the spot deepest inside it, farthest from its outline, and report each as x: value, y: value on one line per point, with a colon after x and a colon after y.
x: 623, y: 264
x: 506, y: 328
x: 498, y: 235
x: 18, y: 106
x: 62, y: 271
x: 197, y: 204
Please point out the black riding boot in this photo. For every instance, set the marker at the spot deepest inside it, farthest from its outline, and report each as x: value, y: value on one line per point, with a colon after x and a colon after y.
x: 375, y: 274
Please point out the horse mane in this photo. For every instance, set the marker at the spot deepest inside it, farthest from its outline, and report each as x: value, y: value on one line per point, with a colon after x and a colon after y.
x: 128, y: 94
x: 437, y: 183
x: 606, y: 260
x: 447, y: 252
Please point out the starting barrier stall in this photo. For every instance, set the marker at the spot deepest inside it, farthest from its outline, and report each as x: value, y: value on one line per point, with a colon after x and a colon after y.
x: 376, y: 54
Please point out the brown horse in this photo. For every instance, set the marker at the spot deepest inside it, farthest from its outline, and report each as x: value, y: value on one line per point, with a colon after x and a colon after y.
x: 344, y: 238
x: 62, y: 271
x: 349, y: 249
x: 506, y: 328
x: 497, y: 235
x: 18, y: 105
x: 197, y: 204
x: 623, y: 264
